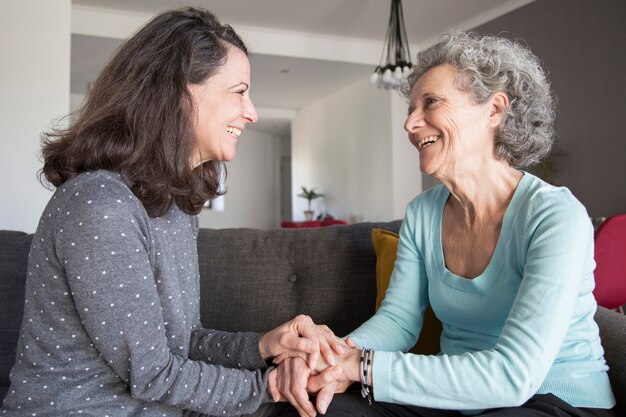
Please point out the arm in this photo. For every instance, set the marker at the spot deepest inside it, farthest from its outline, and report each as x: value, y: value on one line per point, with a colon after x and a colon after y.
x: 234, y: 350
x: 398, y: 322
x: 299, y: 336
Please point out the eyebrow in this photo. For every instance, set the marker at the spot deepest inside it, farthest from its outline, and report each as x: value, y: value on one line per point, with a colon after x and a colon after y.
x: 241, y: 83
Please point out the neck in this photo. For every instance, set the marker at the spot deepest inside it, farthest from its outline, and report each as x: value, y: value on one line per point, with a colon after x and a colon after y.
x: 482, y: 193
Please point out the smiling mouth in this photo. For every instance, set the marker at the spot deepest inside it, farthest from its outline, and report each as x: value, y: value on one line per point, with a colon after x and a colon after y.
x: 427, y: 141
x: 233, y: 131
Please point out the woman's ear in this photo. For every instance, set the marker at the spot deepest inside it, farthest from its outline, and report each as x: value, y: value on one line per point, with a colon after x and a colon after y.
x: 499, y: 103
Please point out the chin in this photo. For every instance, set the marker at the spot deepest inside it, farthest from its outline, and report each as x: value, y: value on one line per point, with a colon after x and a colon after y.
x: 228, y: 156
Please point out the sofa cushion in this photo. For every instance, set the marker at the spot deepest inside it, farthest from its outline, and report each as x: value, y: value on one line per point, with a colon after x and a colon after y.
x: 309, y: 271
x: 385, y: 245
x: 14, y: 248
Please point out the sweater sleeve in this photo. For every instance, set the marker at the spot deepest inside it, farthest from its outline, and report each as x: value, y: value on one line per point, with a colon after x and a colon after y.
x: 560, y: 244
x: 234, y: 350
x: 105, y: 245
x: 397, y: 323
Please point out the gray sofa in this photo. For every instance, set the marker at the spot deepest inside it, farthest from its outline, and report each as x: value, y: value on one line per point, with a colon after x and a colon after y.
x: 255, y: 280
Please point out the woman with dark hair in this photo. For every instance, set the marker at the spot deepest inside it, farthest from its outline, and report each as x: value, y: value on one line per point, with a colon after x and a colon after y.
x: 111, y: 321
x: 504, y: 259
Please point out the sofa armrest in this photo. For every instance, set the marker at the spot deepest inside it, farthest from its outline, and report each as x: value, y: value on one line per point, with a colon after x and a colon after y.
x: 613, y: 335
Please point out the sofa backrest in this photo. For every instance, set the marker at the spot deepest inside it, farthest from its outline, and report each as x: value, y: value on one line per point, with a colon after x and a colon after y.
x: 257, y: 279
x: 14, y: 248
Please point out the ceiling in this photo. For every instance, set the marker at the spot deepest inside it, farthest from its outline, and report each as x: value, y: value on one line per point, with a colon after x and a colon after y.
x: 290, y: 82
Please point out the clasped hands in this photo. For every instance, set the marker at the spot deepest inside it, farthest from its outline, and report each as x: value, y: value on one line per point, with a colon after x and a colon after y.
x: 310, y: 359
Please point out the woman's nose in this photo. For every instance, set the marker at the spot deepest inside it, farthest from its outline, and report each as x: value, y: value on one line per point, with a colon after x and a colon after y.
x: 249, y: 112
x: 414, y: 121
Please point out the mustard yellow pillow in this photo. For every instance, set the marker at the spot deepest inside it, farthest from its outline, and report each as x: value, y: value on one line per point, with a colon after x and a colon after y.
x: 386, y: 247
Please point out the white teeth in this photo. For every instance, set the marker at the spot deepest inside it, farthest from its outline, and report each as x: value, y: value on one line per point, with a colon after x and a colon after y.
x: 429, y: 140
x: 233, y: 131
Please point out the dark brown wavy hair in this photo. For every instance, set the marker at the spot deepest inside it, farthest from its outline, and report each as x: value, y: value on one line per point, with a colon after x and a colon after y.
x: 137, y: 117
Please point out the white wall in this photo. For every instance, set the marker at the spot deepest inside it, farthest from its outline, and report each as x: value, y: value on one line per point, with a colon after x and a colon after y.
x: 34, y: 90
x: 351, y: 147
x: 406, y: 176
x: 253, y: 195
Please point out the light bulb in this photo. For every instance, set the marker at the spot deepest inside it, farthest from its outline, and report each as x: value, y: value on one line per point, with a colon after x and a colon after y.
x: 397, y: 73
x: 387, y: 77
x: 374, y: 78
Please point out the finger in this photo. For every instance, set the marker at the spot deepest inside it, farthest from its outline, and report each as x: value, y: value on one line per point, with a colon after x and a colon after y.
x: 351, y: 343
x: 293, y: 387
x: 300, y: 395
x: 273, y: 388
x: 290, y: 341
x: 327, y: 352
x: 326, y: 329
x: 337, y: 345
x: 329, y: 375
x: 325, y: 397
x: 284, y: 382
x: 312, y: 359
x: 298, y: 408
x: 271, y: 385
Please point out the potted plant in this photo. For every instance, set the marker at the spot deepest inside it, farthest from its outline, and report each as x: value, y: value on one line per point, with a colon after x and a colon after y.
x: 310, y: 195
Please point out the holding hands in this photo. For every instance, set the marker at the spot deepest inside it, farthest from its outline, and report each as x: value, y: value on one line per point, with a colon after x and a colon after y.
x: 303, y: 338
x: 293, y: 380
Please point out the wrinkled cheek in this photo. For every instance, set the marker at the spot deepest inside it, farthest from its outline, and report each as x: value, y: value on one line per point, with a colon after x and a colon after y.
x: 453, y: 131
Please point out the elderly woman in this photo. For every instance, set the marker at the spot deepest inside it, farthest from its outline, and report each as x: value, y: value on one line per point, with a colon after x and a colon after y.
x: 505, y: 259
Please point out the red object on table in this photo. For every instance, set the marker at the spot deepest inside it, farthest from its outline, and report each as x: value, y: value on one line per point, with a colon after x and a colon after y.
x: 290, y: 225
x: 311, y: 224
x: 332, y: 222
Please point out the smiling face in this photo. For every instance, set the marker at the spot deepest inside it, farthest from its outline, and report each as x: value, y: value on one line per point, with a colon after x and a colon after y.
x: 222, y: 108
x: 451, y: 132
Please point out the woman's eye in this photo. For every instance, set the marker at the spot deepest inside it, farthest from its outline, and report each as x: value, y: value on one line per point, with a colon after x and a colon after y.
x: 241, y: 92
x: 430, y: 101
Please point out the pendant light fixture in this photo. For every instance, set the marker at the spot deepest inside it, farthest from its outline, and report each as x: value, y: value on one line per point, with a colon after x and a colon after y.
x: 395, y: 61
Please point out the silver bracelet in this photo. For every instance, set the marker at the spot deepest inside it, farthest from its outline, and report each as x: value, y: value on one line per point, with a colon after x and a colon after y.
x: 365, y: 368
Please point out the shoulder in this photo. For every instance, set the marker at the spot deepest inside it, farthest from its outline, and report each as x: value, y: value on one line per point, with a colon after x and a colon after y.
x: 547, y: 211
x: 97, y: 191
x: 547, y: 201
x: 100, y: 200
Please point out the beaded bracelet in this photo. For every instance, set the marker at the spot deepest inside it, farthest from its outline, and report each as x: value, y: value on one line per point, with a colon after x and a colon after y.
x: 365, y: 368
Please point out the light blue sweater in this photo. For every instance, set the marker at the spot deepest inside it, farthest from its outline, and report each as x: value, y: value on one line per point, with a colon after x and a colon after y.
x: 524, y: 326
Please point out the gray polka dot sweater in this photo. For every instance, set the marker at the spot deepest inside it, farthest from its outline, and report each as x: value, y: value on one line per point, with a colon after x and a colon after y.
x: 111, y: 320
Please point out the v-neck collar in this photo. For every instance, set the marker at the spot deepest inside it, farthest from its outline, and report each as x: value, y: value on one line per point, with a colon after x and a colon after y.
x: 484, y: 279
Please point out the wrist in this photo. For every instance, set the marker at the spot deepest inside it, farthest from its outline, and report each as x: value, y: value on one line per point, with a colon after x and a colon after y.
x: 263, y: 347
x: 351, y: 365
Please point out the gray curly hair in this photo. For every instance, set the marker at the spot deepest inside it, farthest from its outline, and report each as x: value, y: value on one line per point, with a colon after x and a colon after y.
x: 490, y: 64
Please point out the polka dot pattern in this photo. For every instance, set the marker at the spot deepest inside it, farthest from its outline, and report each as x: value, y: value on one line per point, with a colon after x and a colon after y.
x: 111, y: 319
